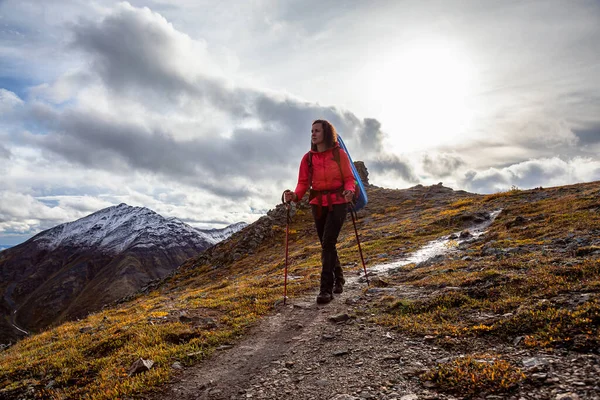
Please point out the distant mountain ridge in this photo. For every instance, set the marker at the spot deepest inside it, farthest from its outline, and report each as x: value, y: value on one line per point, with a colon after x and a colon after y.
x: 117, y: 228
x: 77, y: 267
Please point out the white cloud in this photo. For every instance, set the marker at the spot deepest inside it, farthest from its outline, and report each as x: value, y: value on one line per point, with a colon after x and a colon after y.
x: 543, y: 172
x: 8, y: 101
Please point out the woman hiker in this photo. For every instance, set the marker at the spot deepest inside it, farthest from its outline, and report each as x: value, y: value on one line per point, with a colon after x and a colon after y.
x: 332, y: 186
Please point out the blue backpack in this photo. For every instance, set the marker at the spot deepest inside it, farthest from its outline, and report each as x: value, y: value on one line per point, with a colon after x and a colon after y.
x: 360, y: 194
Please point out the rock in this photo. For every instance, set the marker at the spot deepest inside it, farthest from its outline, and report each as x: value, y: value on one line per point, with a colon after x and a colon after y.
x: 362, y: 172
x: 567, y: 396
x: 518, y: 340
x: 352, y: 300
x: 177, y: 365
x: 303, y: 305
x: 340, y: 353
x: 411, y: 396
x: 289, y: 364
x: 465, y: 234
x: 534, y: 362
x: 519, y: 220
x: 185, y: 318
x: 139, y: 366
x: 378, y: 282
x: 540, y: 376
x: 339, y: 318
x: 382, y: 290
x: 344, y: 397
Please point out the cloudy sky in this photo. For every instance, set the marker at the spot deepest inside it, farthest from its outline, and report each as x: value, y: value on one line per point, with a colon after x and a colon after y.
x: 201, y: 110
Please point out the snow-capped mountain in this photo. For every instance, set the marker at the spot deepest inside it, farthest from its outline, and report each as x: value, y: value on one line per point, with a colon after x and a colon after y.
x: 217, y: 235
x: 77, y: 267
x: 118, y: 228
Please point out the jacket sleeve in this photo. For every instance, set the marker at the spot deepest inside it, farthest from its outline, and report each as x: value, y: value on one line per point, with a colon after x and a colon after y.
x: 349, y: 183
x: 303, y: 177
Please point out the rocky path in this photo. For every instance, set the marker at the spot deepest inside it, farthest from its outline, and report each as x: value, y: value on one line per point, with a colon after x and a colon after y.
x: 309, y: 351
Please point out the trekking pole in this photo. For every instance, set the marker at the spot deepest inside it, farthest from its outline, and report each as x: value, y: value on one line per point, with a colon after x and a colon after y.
x: 353, y: 212
x: 287, y: 236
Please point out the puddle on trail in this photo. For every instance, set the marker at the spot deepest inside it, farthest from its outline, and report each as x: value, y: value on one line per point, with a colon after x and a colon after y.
x: 437, y: 247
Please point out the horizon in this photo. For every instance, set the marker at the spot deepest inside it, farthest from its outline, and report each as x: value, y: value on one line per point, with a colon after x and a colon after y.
x: 202, y: 111
x: 15, y: 241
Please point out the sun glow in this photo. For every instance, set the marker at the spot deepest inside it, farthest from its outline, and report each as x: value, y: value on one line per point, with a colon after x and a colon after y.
x: 421, y: 95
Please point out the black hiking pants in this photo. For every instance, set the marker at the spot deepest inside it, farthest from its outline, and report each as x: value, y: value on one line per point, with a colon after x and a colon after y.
x: 329, y: 224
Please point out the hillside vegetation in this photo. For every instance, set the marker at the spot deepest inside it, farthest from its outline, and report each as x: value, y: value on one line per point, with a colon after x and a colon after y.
x: 532, y: 280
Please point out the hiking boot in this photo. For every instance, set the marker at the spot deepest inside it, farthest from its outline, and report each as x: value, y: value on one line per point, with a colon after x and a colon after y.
x: 338, y: 287
x: 324, y: 297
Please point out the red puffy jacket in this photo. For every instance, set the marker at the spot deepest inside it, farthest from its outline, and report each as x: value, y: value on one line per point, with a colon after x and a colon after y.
x: 326, y: 175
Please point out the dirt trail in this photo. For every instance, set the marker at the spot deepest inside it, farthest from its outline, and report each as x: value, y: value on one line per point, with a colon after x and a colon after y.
x: 299, y: 353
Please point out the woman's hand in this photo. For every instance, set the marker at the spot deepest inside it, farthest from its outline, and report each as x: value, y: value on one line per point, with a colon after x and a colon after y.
x: 288, y: 196
x: 348, y: 195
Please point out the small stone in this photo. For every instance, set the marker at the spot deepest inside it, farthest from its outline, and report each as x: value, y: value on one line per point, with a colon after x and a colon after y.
x: 322, y: 382
x: 343, y: 397
x: 339, y: 318
x: 224, y: 347
x: 140, y: 365
x: 534, y: 362
x: 567, y: 396
x: 465, y: 234
x: 340, y: 353
x: 177, y: 365
x: 303, y: 306
x: 289, y: 364
x: 185, y: 318
x: 327, y: 337
x: 429, y: 384
x: 378, y: 282
x: 411, y: 396
x: 518, y: 340
x: 429, y: 338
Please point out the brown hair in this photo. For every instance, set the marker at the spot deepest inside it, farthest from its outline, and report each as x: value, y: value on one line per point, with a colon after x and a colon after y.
x: 329, y: 134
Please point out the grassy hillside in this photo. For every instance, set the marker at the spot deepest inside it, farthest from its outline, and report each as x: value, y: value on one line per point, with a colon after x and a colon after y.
x: 535, y: 276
